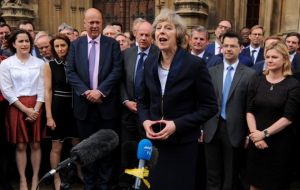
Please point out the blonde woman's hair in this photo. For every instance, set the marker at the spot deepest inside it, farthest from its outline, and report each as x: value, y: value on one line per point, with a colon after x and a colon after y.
x: 281, y: 48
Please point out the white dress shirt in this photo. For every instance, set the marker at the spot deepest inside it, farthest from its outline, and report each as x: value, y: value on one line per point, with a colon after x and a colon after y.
x: 22, y: 78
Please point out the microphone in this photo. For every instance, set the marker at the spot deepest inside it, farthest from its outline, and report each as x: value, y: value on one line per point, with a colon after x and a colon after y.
x: 143, y: 154
x: 89, y: 150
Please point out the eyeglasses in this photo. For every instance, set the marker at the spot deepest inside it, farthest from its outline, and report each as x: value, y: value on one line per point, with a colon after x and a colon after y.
x: 256, y: 34
x: 223, y: 27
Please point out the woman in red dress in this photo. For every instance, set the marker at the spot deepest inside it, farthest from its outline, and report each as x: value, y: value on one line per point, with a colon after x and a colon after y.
x: 22, y: 85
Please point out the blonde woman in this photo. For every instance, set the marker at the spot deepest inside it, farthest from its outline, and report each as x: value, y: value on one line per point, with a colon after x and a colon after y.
x: 273, y: 104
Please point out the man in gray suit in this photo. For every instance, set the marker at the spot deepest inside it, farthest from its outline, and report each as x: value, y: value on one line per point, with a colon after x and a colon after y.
x: 225, y: 133
x: 130, y: 85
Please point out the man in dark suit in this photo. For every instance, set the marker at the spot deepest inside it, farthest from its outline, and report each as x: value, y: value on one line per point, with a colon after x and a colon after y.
x: 94, y: 70
x: 215, y: 47
x: 225, y: 133
x: 130, y: 127
x: 292, y: 41
x: 254, y: 51
x: 198, y: 42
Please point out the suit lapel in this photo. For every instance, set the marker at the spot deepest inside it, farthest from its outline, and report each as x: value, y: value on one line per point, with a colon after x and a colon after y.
x: 177, y: 62
x: 132, y: 61
x: 85, y: 57
x: 236, y: 78
x: 103, y: 52
x: 219, y: 79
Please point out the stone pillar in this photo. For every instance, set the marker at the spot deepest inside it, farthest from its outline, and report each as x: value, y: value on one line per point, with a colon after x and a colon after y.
x: 193, y: 12
x: 13, y: 12
x: 265, y: 15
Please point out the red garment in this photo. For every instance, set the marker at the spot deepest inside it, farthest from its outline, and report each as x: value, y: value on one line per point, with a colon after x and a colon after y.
x: 17, y: 129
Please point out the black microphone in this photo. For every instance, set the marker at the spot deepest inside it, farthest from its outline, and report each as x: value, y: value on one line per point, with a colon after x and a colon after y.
x: 89, y: 150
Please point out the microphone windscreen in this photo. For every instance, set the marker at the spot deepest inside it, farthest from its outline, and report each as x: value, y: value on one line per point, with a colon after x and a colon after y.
x: 144, y: 149
x: 129, y: 159
x: 95, y: 147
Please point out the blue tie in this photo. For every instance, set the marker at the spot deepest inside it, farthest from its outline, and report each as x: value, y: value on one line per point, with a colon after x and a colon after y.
x: 92, y: 57
x: 226, y: 89
x: 139, y: 73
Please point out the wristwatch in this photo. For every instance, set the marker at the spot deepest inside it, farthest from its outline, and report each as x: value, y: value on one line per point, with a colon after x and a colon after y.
x: 266, y: 133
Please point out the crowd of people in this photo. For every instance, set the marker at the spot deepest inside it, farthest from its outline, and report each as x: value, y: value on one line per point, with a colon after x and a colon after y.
x: 222, y: 114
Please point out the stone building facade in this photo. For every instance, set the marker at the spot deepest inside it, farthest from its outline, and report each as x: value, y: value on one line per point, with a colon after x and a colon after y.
x: 276, y: 16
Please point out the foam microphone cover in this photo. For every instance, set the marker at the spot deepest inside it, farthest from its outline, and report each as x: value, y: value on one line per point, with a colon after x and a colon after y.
x: 144, y: 151
x: 97, y: 146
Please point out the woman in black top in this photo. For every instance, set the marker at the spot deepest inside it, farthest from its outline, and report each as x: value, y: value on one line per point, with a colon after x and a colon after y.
x: 273, y: 104
x: 58, y: 101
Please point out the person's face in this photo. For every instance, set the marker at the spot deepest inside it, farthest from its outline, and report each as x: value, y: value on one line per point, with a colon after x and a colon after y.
x: 28, y: 28
x: 76, y: 35
x: 198, y: 41
x: 274, y: 60
x: 44, y: 46
x: 22, y: 44
x: 4, y: 31
x: 231, y: 49
x: 93, y: 23
x: 123, y: 41
x: 292, y: 43
x: 61, y: 48
x: 222, y: 28
x: 165, y: 36
x: 118, y: 28
x: 245, y: 35
x: 110, y: 32
x: 256, y: 37
x: 69, y: 33
x: 143, y: 35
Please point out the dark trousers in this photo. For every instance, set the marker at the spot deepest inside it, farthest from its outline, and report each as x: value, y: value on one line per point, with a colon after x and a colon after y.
x: 131, y: 127
x: 221, y: 161
x: 97, y: 176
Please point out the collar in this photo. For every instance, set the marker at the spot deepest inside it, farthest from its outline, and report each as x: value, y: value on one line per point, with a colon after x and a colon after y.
x: 96, y: 39
x: 234, y: 65
x: 251, y: 48
x: 199, y: 55
x: 146, y: 51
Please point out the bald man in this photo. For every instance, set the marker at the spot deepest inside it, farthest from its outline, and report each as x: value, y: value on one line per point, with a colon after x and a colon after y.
x: 94, y: 70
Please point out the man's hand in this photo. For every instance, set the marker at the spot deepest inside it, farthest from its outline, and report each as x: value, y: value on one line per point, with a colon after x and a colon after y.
x: 131, y: 105
x: 93, y: 96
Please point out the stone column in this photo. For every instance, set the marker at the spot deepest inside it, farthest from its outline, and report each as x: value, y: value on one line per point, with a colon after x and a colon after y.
x: 193, y: 12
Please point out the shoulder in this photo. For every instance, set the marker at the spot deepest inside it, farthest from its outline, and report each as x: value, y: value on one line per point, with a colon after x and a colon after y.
x: 130, y: 50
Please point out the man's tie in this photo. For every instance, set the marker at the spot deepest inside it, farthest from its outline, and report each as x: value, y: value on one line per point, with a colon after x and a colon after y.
x: 138, y: 81
x: 252, y: 56
x: 226, y: 89
x: 92, y: 60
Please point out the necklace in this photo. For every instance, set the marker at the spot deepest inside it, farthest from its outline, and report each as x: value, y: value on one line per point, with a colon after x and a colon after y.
x: 272, y: 87
x: 164, y: 67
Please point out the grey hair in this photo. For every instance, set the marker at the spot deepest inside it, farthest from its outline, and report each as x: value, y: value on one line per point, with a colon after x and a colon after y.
x: 64, y: 26
x: 200, y: 28
x: 172, y: 17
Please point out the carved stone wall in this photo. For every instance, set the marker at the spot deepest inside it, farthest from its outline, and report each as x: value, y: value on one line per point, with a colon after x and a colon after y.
x: 277, y: 16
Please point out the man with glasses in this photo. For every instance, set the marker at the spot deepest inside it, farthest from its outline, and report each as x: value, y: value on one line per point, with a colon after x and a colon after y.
x: 254, y: 51
x: 215, y: 47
